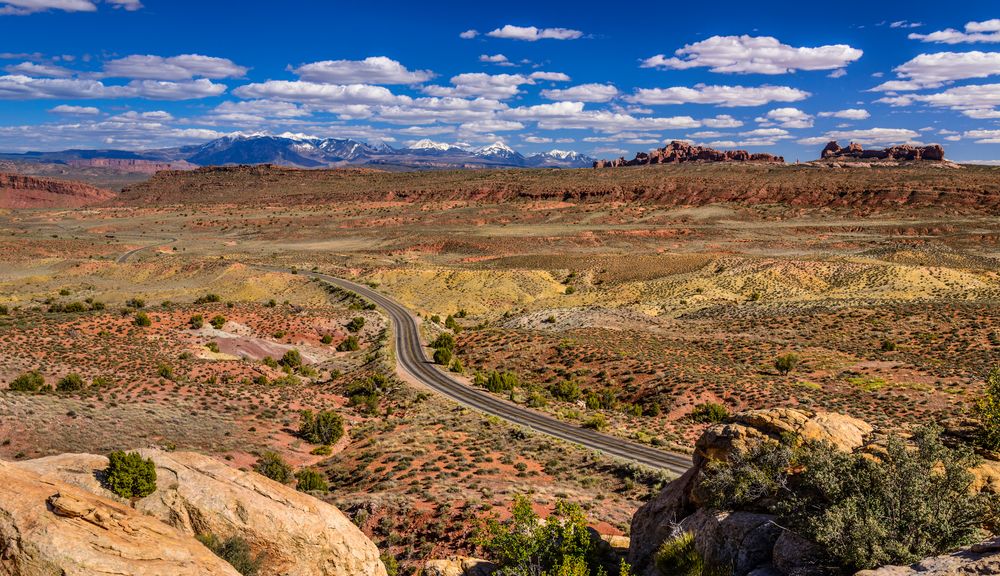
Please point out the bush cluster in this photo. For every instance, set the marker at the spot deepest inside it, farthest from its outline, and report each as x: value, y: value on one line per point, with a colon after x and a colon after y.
x: 322, y: 428
x: 129, y: 475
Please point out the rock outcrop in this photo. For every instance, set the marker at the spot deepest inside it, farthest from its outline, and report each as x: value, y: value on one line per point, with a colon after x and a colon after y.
x: 980, y: 559
x: 459, y: 566
x: 297, y: 534
x: 17, y: 191
x: 131, y: 165
x: 902, y: 153
x: 747, y: 541
x: 677, y: 151
x: 48, y: 527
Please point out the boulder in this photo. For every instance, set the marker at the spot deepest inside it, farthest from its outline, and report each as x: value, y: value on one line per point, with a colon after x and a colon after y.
x: 981, y: 559
x: 793, y: 555
x: 459, y: 566
x: 740, y: 541
x: 298, y: 534
x: 48, y: 527
x: 655, y: 521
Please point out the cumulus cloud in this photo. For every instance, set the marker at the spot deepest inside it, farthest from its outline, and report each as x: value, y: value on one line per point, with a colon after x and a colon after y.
x: 23, y: 7
x: 486, y: 126
x: 786, y: 118
x: 725, y: 96
x: 183, y: 67
x: 583, y: 93
x: 550, y: 76
x: 371, y: 70
x: 75, y: 110
x: 722, y: 121
x: 301, y: 91
x: 869, y: 136
x: 43, y: 70
x: 537, y: 140
x: 754, y: 54
x: 498, y: 86
x: 975, y: 101
x: 934, y: 70
x: 847, y: 114
x: 469, y: 34
x: 19, y: 87
x: 532, y: 34
x: 984, y: 136
x: 987, y: 31
x: 498, y: 59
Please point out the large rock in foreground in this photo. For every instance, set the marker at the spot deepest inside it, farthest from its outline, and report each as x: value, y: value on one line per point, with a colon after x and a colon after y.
x: 299, y: 535
x: 981, y: 559
x: 50, y: 528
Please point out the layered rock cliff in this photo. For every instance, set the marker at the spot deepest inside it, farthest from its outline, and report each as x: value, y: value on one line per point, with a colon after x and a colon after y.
x: 17, y: 191
x: 902, y: 153
x: 677, y: 152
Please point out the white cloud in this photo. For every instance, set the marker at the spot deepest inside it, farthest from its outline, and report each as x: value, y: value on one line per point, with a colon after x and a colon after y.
x: 984, y: 136
x: 550, y: 76
x: 754, y: 54
x: 838, y: 73
x: 75, y: 110
x: 975, y: 101
x: 725, y: 96
x: 483, y: 126
x: 722, y: 121
x: 19, y: 87
x: 498, y: 86
x: 299, y: 91
x: 499, y: 59
x: 933, y: 70
x: 127, y: 5
x: 786, y: 118
x: 537, y: 140
x: 256, y: 111
x: 20, y: 7
x: 847, y: 114
x: 532, y: 34
x: 905, y: 24
x: 705, y: 134
x: 770, y: 133
x: 371, y: 70
x: 583, y: 93
x: 870, y: 136
x: 987, y: 31
x: 36, y: 70
x: 469, y: 34
x: 183, y: 67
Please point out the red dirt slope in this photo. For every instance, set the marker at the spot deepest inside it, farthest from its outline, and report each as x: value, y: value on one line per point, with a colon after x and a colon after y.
x: 17, y: 191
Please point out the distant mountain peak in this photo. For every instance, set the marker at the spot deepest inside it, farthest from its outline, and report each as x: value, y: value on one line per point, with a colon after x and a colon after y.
x: 428, y: 144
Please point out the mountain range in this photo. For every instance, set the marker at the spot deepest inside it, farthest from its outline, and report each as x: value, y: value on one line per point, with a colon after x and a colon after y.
x: 306, y: 152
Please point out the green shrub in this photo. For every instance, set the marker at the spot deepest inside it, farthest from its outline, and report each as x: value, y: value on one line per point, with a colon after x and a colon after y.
x: 196, y: 321
x: 596, y: 422
x: 497, y: 381
x: 567, y: 391
x: 444, y: 340
x: 457, y: 367
x: 442, y: 356
x: 218, y: 321
x: 308, y: 480
x: 273, y: 466
x: 748, y: 477
x: 28, y: 382
x: 678, y: 557
x: 236, y: 551
x: 207, y: 299
x: 165, y: 371
x: 142, y: 320
x: 213, y: 347
x: 786, y: 363
x: 350, y: 344
x: 323, y: 428
x: 391, y: 564
x: 356, y: 324
x: 291, y: 359
x: 130, y: 475
x: 4, y: 310
x: 988, y: 411
x: 326, y: 339
x: 136, y: 303
x: 709, y: 412
x: 70, y: 383
x: 452, y: 325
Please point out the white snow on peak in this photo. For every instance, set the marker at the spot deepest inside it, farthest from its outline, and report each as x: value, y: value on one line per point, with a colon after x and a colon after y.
x: 426, y: 144
x: 562, y: 154
x: 495, y: 148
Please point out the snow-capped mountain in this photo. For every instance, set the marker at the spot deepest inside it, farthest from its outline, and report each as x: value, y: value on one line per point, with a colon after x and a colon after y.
x: 500, y: 151
x: 305, y: 151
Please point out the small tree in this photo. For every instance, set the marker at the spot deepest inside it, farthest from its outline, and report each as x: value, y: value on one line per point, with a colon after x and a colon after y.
x: 218, y: 321
x: 70, y: 383
x: 292, y: 359
x: 273, y: 466
x: 142, y: 320
x: 323, y: 428
x: 786, y: 363
x: 709, y: 412
x: 444, y: 340
x: 350, y: 344
x: 988, y: 411
x: 129, y: 475
x: 236, y: 551
x: 442, y: 356
x: 28, y: 382
x: 356, y: 324
x: 196, y: 321
x: 309, y: 480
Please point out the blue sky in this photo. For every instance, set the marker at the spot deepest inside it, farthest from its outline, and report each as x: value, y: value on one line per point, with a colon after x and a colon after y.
x: 599, y: 78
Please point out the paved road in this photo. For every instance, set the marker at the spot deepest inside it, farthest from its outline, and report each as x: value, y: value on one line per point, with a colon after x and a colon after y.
x: 124, y: 257
x: 412, y: 360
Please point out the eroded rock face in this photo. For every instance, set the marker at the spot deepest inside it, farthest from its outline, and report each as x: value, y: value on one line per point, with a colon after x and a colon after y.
x: 17, y: 191
x: 904, y: 152
x: 981, y: 559
x: 677, y: 151
x: 52, y: 528
x: 299, y: 535
x: 744, y: 541
x: 459, y: 566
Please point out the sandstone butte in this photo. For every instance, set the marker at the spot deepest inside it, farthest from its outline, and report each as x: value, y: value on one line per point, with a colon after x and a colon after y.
x: 677, y: 151
x: 18, y: 191
x: 905, y: 152
x: 56, y: 518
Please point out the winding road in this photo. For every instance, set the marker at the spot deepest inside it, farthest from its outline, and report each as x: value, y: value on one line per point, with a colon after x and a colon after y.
x: 413, y: 361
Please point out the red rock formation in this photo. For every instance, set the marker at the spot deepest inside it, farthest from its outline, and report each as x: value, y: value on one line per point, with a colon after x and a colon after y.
x: 132, y: 165
x: 677, y: 151
x: 903, y: 152
x: 17, y: 191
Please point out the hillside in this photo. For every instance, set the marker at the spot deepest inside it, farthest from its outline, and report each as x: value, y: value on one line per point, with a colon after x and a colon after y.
x: 17, y: 191
x: 800, y: 186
